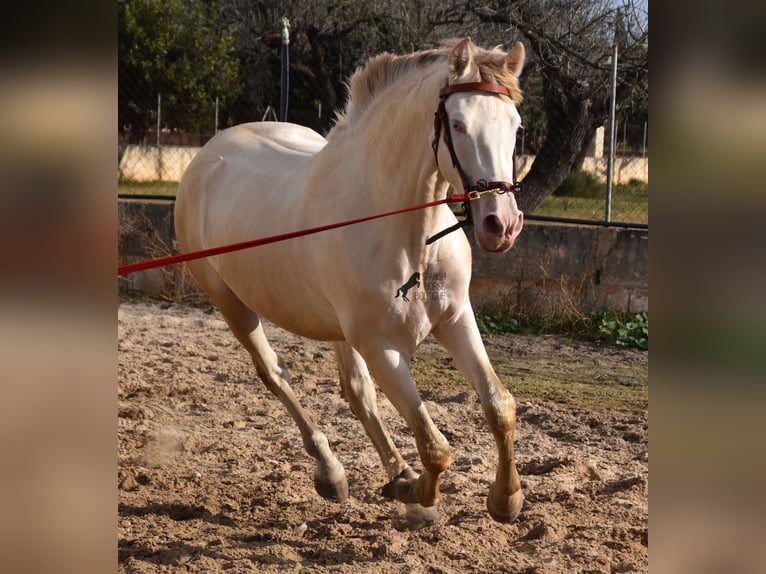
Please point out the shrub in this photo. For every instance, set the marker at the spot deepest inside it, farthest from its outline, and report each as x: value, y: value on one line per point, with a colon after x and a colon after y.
x: 614, y: 327
x: 634, y: 186
x: 630, y: 331
x: 580, y: 183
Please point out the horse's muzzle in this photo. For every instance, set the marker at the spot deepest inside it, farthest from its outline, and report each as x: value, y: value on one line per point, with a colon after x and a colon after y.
x: 498, y: 234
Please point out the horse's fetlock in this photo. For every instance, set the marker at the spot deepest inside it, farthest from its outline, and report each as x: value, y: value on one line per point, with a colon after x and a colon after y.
x: 317, y: 444
x: 438, y: 459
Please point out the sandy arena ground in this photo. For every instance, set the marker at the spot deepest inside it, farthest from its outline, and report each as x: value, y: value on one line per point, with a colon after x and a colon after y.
x: 213, y: 476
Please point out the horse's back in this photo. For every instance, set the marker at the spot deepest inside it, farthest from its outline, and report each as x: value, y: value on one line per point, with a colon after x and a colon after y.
x: 248, y: 150
x: 283, y: 137
x: 240, y: 169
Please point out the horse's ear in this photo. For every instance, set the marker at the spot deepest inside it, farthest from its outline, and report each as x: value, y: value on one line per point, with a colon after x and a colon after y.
x: 461, y: 64
x: 514, y: 62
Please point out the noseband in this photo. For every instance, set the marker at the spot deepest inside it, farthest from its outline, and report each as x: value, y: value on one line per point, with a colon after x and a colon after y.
x: 482, y: 186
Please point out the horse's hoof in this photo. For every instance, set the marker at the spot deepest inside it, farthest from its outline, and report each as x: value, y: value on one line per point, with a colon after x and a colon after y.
x: 507, y: 508
x: 394, y: 488
x: 400, y: 488
x: 335, y: 491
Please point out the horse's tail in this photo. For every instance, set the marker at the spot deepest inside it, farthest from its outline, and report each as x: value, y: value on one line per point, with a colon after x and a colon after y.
x: 398, y: 291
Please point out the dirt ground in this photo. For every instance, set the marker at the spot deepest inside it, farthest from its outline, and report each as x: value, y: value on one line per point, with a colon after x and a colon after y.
x: 213, y: 476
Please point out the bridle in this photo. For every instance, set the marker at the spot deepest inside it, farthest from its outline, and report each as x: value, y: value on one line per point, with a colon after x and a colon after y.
x: 471, y: 190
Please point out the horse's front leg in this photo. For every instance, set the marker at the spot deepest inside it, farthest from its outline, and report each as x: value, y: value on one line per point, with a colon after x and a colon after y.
x: 463, y: 341
x: 391, y: 370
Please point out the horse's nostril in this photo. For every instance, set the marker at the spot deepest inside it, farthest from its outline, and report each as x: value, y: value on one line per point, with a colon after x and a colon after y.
x: 493, y: 226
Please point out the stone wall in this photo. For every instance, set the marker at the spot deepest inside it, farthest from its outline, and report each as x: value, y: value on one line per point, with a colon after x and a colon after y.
x: 557, y: 270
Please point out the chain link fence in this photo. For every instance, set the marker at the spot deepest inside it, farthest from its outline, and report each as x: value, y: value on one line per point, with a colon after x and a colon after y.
x: 152, y: 160
x: 583, y: 197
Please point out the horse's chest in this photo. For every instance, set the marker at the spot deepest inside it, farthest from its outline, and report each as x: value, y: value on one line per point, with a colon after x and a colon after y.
x: 428, y: 298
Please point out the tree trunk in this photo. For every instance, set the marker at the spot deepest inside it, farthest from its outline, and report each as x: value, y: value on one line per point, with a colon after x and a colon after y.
x: 571, y: 123
x: 580, y: 159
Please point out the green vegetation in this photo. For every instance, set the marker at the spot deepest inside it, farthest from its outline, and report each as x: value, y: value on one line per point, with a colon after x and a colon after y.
x: 168, y: 188
x: 182, y: 50
x: 581, y: 366
x: 574, y: 363
x: 581, y: 183
x: 582, y: 196
x: 631, y: 331
x: 617, y: 328
x: 187, y: 68
x: 630, y: 202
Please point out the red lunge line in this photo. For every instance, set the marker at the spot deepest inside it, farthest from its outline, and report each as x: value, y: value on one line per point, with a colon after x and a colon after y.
x: 163, y: 261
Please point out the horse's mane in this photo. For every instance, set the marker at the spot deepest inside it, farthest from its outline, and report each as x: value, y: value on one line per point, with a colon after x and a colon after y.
x: 383, y: 70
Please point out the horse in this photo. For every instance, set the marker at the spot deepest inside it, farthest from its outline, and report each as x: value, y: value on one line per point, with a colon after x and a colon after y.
x: 414, y: 125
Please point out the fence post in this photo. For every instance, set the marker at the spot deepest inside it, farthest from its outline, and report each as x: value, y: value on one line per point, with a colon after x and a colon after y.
x: 612, y: 136
x: 285, y: 69
x: 159, y: 113
x: 159, y: 147
x: 216, y: 115
x: 643, y: 150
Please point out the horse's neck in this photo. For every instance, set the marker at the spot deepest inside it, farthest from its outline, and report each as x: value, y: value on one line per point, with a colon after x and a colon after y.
x: 391, y: 151
x: 394, y: 142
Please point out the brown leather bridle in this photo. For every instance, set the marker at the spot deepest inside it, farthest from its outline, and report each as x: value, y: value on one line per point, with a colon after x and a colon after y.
x: 473, y: 190
x: 441, y: 121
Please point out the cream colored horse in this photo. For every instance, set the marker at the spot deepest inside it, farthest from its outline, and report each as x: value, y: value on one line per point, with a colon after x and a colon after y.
x: 268, y: 178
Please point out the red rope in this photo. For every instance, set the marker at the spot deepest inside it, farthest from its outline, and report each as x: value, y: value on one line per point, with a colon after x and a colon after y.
x: 170, y: 260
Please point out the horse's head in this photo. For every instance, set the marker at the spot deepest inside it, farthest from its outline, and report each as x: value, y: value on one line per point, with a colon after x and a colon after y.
x: 480, y: 124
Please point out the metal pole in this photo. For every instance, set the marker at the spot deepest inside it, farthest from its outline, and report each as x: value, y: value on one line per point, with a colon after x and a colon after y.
x: 643, y: 153
x: 159, y: 113
x: 284, y: 95
x: 159, y: 149
x: 612, y: 134
x: 216, y: 115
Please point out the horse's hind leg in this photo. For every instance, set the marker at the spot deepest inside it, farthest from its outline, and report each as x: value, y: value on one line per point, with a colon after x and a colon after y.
x: 360, y: 392
x: 329, y: 477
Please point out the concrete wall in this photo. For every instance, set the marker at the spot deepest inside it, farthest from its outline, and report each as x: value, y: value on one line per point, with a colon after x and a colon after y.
x: 557, y: 270
x: 168, y: 163
x: 553, y: 269
x: 625, y: 168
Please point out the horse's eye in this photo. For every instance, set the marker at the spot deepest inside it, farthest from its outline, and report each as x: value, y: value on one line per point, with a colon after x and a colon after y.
x: 458, y: 126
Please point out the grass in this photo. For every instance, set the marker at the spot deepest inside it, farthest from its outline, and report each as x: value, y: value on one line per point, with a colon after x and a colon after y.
x: 580, y: 198
x: 549, y: 370
x: 168, y: 188
x: 578, y: 361
x: 623, y: 210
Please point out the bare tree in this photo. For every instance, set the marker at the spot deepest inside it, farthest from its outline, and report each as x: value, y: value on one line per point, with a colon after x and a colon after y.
x: 566, y: 80
x: 571, y: 44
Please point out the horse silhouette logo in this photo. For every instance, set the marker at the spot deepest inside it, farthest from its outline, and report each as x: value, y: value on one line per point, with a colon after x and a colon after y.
x: 413, y: 281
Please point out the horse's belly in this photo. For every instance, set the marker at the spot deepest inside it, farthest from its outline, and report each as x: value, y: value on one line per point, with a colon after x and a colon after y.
x: 277, y: 286
x: 319, y: 331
